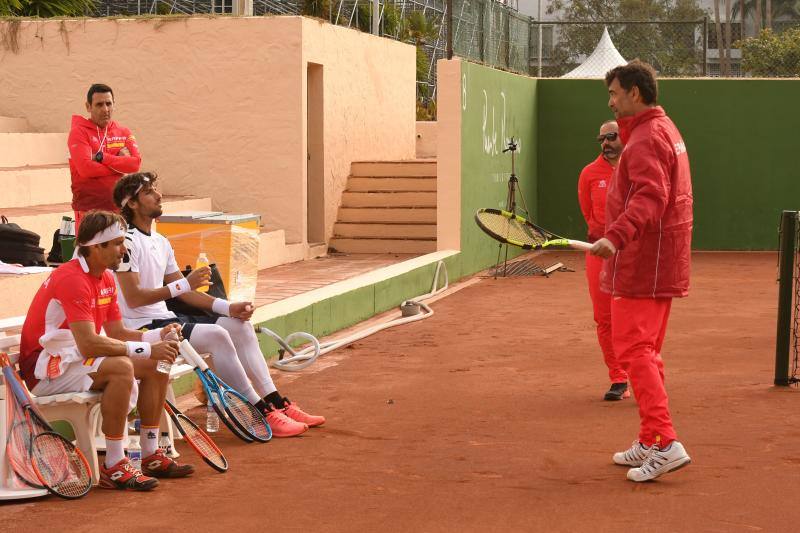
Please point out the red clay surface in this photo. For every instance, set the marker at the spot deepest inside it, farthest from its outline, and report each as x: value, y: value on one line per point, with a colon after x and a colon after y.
x: 488, y: 417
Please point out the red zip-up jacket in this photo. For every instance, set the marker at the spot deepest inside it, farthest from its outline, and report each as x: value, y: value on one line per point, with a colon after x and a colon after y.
x: 592, y: 188
x: 649, y: 211
x: 93, y: 182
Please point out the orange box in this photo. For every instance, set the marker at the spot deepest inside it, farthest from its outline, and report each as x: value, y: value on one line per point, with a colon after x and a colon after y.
x: 230, y: 241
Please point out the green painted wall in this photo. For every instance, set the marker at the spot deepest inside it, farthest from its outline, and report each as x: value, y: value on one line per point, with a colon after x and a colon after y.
x: 742, y: 142
x: 495, y: 106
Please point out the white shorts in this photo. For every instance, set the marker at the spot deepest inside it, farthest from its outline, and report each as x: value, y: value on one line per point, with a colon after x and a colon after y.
x: 75, y: 378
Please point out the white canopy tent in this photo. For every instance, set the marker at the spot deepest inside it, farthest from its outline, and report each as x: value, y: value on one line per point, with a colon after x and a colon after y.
x: 604, y: 58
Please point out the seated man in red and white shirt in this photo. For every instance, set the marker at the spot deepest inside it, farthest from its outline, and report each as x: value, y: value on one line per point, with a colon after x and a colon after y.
x: 62, y: 350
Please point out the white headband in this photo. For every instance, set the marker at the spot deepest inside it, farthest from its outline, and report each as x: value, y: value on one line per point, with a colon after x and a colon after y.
x: 139, y: 188
x: 114, y: 231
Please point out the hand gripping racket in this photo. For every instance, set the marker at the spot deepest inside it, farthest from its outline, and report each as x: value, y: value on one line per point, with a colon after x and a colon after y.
x: 197, y: 439
x: 58, y: 465
x: 248, y: 423
x: 509, y: 228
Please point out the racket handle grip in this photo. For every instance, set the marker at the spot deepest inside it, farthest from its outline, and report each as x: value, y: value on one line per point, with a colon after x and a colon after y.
x: 581, y: 245
x: 191, y: 355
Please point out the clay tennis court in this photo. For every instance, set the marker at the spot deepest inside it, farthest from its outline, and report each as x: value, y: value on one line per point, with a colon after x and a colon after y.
x: 488, y: 417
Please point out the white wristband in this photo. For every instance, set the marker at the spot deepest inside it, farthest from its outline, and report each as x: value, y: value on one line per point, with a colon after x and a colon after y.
x: 139, y: 350
x: 152, y: 336
x: 221, y: 307
x: 178, y: 287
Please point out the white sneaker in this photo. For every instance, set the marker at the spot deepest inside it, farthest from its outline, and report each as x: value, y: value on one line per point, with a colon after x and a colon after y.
x: 633, y: 456
x: 660, y: 462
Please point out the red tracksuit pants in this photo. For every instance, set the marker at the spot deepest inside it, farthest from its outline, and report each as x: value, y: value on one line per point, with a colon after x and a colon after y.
x: 638, y: 326
x: 601, y: 302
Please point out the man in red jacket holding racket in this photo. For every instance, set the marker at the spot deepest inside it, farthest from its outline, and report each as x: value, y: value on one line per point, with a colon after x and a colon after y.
x: 100, y: 152
x: 592, y: 187
x: 647, y: 244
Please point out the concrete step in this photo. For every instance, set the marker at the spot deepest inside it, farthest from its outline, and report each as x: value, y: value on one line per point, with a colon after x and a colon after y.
x: 383, y: 246
x: 14, y: 125
x: 25, y: 186
x: 385, y: 231
x: 18, y: 291
x: 33, y: 149
x: 411, y: 167
x: 45, y: 219
x: 386, y: 184
x: 408, y: 215
x: 389, y: 199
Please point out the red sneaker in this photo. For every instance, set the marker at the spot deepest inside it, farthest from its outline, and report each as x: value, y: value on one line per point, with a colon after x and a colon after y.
x: 283, y: 426
x: 123, y: 476
x: 159, y: 465
x: 295, y: 413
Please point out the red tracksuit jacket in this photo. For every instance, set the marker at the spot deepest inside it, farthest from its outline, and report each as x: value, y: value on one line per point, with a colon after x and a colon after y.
x: 649, y: 211
x: 93, y: 182
x: 592, y: 188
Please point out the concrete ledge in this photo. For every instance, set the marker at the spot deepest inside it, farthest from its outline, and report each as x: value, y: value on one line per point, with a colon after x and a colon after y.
x: 329, y: 309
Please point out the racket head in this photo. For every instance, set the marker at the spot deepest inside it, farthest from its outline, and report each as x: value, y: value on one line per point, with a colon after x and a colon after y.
x: 60, y: 466
x: 199, y: 440
x: 212, y: 389
x: 246, y: 416
x: 509, y: 228
x: 18, y: 452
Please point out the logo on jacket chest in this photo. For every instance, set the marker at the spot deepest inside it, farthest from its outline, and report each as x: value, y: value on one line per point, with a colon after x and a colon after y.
x: 680, y: 147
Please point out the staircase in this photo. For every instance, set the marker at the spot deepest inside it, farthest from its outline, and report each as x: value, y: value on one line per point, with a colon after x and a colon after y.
x: 35, y: 180
x: 388, y: 207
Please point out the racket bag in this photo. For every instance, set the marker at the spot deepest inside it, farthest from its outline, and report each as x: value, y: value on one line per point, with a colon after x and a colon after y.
x: 19, y: 245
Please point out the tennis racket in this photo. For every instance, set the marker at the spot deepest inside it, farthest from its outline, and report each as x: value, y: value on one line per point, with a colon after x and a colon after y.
x: 248, y: 423
x: 58, y: 465
x: 509, y: 228
x: 197, y: 439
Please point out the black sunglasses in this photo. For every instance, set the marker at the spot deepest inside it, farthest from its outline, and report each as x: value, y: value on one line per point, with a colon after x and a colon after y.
x: 608, y: 137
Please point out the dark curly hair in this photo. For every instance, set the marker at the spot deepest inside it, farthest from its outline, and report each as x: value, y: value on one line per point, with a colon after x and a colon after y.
x: 636, y: 73
x: 128, y: 187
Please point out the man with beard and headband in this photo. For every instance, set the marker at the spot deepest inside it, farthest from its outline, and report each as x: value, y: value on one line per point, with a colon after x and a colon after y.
x: 592, y: 188
x: 62, y: 350
x: 149, y: 276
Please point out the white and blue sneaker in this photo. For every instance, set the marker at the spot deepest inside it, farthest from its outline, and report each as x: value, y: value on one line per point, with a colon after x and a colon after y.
x: 633, y: 456
x: 658, y: 462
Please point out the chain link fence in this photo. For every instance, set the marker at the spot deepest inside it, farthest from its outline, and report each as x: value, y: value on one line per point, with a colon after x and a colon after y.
x: 495, y: 34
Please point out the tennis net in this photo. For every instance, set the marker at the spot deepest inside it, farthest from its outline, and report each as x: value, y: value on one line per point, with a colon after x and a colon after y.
x: 787, y: 344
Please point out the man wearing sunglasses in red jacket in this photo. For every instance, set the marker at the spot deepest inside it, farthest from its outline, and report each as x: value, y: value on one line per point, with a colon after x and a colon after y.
x: 592, y: 188
x: 647, y: 247
x: 100, y: 152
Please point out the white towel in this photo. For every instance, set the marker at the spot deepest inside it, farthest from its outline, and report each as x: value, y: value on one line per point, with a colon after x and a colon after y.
x: 59, y: 351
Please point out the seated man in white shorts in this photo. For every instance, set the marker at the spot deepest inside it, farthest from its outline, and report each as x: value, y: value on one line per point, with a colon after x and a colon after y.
x: 149, y: 275
x: 62, y: 351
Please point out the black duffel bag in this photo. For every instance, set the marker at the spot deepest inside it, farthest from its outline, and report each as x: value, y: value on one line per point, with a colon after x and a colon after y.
x: 19, y: 246
x: 217, y: 290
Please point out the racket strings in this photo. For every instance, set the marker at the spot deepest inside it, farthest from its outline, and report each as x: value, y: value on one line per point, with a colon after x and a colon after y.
x: 60, y: 466
x: 511, y: 229
x: 247, y: 415
x: 203, y: 444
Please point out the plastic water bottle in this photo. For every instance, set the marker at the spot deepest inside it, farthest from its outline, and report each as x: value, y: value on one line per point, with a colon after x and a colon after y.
x: 165, y: 444
x: 134, y: 452
x: 212, y: 419
x: 163, y: 366
x: 202, y: 260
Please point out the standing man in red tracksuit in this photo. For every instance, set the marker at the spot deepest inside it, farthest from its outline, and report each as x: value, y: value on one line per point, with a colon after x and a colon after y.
x: 647, y: 244
x: 100, y: 152
x: 592, y: 188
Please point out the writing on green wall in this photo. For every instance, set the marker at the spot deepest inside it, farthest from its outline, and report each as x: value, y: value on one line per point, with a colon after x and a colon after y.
x: 495, y: 106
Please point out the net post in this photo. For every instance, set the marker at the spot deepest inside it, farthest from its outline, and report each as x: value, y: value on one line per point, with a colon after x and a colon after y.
x: 786, y: 260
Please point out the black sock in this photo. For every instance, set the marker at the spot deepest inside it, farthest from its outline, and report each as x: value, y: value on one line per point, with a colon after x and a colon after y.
x: 275, y: 399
